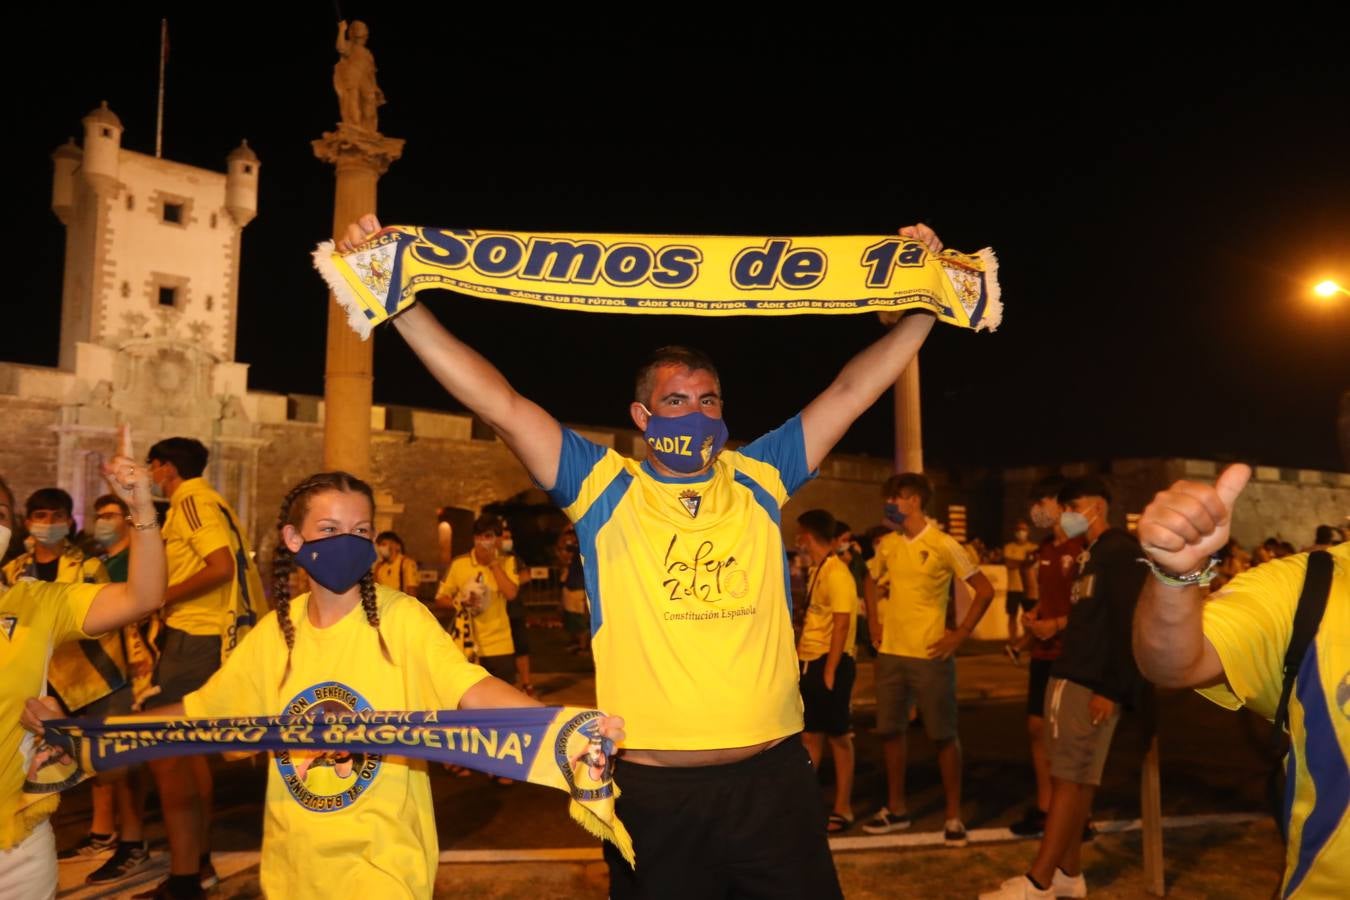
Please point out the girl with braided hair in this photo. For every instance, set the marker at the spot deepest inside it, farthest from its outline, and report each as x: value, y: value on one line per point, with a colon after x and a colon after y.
x: 364, y: 826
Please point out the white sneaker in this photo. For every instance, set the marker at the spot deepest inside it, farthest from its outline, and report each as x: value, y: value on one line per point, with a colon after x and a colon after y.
x: 1019, y: 888
x: 1064, y: 886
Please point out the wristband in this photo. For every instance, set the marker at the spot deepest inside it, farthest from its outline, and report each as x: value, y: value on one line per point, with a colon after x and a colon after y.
x: 1198, y: 578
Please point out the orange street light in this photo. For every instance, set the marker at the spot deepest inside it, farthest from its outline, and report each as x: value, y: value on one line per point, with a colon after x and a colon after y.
x: 1329, y: 289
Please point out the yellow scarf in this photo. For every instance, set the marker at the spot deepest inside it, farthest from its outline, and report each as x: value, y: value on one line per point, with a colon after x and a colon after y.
x: 645, y: 274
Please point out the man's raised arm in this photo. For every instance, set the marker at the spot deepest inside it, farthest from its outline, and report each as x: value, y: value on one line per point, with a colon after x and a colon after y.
x: 534, y: 436
x: 867, y: 375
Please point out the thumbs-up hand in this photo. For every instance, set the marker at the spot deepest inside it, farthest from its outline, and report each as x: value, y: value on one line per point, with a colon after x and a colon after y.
x: 1188, y: 523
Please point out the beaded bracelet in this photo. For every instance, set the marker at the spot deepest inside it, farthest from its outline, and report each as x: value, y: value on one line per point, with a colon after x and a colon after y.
x: 1198, y: 578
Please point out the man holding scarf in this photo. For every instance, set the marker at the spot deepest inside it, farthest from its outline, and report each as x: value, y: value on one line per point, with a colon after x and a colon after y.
x: 690, y: 611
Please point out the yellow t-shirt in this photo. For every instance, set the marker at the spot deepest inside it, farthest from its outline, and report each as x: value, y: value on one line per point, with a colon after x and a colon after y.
x: 920, y: 571
x: 1249, y: 623
x: 87, y: 670
x: 830, y: 590
x: 362, y: 827
x: 492, y: 626
x: 200, y: 522
x: 687, y: 578
x: 34, y: 616
x: 1016, y: 554
x: 399, y: 574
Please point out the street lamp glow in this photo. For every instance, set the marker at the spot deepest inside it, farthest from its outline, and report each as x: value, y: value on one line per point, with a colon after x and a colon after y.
x: 1329, y: 289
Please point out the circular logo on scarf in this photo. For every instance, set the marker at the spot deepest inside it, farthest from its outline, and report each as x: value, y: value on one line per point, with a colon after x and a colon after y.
x: 585, y: 759
x: 327, y: 780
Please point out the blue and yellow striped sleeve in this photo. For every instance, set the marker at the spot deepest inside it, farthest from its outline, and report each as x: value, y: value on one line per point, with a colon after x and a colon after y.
x: 585, y: 469
x: 777, y: 460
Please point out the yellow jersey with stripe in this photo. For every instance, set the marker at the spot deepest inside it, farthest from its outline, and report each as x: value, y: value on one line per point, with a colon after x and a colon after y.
x: 34, y: 617
x: 1249, y: 623
x: 85, y: 670
x: 337, y: 824
x: 691, y: 614
x: 830, y: 590
x: 492, y: 626
x: 920, y: 570
x: 198, y: 523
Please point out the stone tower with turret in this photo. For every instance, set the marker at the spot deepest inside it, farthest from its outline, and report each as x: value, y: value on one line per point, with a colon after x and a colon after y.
x: 152, y: 245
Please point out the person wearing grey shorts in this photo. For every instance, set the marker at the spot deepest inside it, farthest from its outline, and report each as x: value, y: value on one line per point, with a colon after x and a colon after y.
x: 915, y: 662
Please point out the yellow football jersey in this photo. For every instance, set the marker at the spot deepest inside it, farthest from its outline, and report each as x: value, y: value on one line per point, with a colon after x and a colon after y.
x: 1249, y: 623
x: 81, y: 672
x: 492, y: 626
x: 830, y: 590
x: 920, y: 570
x: 34, y: 617
x: 688, y: 583
x: 198, y: 523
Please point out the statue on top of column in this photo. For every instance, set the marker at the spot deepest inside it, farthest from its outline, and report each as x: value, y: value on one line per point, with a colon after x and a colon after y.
x: 354, y: 78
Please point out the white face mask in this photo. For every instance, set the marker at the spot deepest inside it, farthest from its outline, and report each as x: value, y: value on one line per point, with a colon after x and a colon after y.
x: 5, y: 535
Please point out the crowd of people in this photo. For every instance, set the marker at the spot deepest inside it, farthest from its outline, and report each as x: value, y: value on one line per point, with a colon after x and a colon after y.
x: 676, y: 582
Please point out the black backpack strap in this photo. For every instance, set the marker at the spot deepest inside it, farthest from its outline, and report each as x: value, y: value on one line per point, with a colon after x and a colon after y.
x: 1312, y: 604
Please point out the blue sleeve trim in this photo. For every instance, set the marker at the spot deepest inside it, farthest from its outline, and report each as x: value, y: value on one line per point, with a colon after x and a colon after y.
x: 588, y: 529
x: 770, y: 506
x: 576, y: 460
x: 784, y: 448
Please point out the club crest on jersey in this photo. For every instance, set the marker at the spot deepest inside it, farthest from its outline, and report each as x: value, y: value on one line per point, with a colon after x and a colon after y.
x: 7, y: 624
x: 691, y: 501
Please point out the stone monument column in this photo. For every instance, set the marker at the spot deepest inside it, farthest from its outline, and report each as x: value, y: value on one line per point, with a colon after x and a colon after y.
x: 908, y: 426
x: 360, y: 154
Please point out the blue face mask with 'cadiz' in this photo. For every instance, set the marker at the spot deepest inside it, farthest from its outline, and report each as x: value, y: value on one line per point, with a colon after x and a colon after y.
x: 337, y: 562
x: 685, y: 443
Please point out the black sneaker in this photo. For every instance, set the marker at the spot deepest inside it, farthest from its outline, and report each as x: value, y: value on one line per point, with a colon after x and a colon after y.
x: 91, y: 846
x: 954, y: 834
x: 885, y: 821
x: 1032, y: 824
x: 127, y: 860
x: 161, y: 892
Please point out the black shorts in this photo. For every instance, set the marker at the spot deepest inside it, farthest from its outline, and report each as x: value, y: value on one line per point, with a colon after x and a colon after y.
x: 186, y: 662
x: 503, y: 666
x: 520, y: 637
x: 828, y: 711
x: 1016, y: 602
x: 1038, y: 676
x: 754, y: 828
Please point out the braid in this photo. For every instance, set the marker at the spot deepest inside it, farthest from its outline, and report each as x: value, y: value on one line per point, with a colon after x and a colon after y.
x: 283, y: 566
x: 373, y: 612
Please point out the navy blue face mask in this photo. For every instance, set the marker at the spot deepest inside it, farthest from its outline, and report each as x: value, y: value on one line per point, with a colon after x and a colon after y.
x: 337, y: 562
x: 685, y: 443
x: 893, y: 515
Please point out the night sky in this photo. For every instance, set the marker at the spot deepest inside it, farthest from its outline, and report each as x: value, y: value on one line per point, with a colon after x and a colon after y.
x: 1160, y: 194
